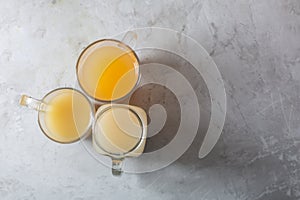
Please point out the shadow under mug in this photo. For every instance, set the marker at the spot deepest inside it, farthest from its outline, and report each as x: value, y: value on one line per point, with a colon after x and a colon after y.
x: 108, y: 70
x: 59, y: 109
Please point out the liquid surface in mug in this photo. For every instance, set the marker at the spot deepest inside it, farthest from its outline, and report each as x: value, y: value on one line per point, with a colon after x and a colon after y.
x: 118, y: 131
x: 108, y: 72
x: 68, y: 116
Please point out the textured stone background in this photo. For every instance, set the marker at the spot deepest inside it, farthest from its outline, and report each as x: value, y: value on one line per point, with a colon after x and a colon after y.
x: 256, y: 45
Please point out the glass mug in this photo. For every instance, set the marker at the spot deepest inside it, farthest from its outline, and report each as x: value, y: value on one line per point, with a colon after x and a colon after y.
x: 108, y: 70
x: 65, y: 115
x: 119, y: 131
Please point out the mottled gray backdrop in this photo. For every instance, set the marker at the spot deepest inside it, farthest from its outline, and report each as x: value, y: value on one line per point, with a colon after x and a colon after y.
x: 256, y: 45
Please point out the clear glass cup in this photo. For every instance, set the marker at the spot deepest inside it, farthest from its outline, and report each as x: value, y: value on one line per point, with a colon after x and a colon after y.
x: 48, y: 115
x: 108, y: 140
x: 86, y: 69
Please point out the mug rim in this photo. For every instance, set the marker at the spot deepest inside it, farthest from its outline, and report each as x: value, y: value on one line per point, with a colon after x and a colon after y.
x: 92, y: 113
x: 99, y: 101
x: 138, y: 144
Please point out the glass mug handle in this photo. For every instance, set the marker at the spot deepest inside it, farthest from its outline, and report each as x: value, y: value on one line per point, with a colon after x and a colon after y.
x: 130, y: 39
x: 32, y: 103
x: 116, y: 168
